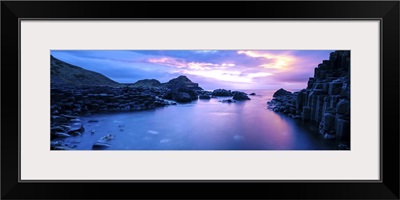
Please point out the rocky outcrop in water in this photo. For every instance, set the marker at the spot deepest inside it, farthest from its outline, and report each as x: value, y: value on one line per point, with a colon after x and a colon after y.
x: 204, y: 96
x: 222, y: 93
x: 182, y: 82
x: 181, y: 95
x: 103, y: 142
x: 228, y: 101
x: 240, y: 96
x: 326, y: 100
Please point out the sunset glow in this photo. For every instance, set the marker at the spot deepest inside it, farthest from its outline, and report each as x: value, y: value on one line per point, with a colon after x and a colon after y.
x: 255, y: 69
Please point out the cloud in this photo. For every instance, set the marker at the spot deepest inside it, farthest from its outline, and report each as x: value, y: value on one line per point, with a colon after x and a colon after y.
x: 274, y: 61
x: 218, y: 71
x: 172, y: 62
x: 214, y: 68
x: 206, y: 51
x: 181, y: 63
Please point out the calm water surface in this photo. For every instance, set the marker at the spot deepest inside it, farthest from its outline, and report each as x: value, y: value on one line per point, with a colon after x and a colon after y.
x: 203, y: 125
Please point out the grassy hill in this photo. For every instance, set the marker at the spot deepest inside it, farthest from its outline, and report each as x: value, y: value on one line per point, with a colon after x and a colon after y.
x: 66, y: 74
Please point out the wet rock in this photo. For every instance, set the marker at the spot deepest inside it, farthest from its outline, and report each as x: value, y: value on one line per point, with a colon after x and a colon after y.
x: 281, y: 92
x: 56, y: 135
x: 335, y: 88
x: 328, y: 136
x: 59, y: 129
x: 76, y: 130
x: 59, y: 119
x: 102, y: 143
x: 182, y: 97
x: 240, y: 96
x: 227, y: 101
x: 75, y: 120
x: 343, y: 107
x: 343, y: 129
x: 222, y: 92
x: 204, y: 97
x: 252, y: 94
x: 69, y: 117
x: 329, y: 122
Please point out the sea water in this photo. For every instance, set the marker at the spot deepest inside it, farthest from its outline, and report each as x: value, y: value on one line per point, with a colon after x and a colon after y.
x: 203, y: 125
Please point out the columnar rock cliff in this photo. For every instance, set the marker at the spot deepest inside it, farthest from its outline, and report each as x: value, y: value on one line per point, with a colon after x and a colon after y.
x: 325, y: 101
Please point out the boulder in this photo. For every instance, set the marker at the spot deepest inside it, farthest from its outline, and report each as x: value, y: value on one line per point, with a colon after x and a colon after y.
x: 228, y: 101
x: 328, y: 136
x: 58, y: 129
x: 76, y: 130
x: 182, y: 97
x: 329, y: 122
x: 102, y: 143
x: 343, y: 107
x: 343, y: 129
x: 59, y: 119
x: 56, y: 135
x: 281, y: 92
x: 240, y: 96
x: 204, y: 97
x: 335, y: 88
x: 222, y: 93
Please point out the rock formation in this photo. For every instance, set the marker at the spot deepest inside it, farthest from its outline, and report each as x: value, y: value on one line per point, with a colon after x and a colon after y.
x: 95, y: 99
x: 146, y: 83
x: 181, y: 81
x: 75, y: 91
x: 281, y: 92
x: 240, y: 96
x: 325, y: 101
x: 222, y: 93
x: 181, y: 89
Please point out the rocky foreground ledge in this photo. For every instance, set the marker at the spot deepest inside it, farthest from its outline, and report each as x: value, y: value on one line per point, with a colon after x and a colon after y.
x: 70, y: 102
x: 326, y: 100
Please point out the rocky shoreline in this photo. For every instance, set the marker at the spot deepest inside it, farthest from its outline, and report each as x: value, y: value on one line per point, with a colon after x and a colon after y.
x: 325, y: 102
x: 70, y: 102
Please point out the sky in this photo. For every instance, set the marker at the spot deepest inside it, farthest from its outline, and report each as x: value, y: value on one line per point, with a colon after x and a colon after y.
x: 212, y: 69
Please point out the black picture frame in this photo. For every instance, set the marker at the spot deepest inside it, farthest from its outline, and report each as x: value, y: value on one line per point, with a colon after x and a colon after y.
x: 386, y: 11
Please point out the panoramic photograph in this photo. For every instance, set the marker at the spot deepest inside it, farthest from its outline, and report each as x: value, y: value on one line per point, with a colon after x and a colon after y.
x: 240, y: 99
